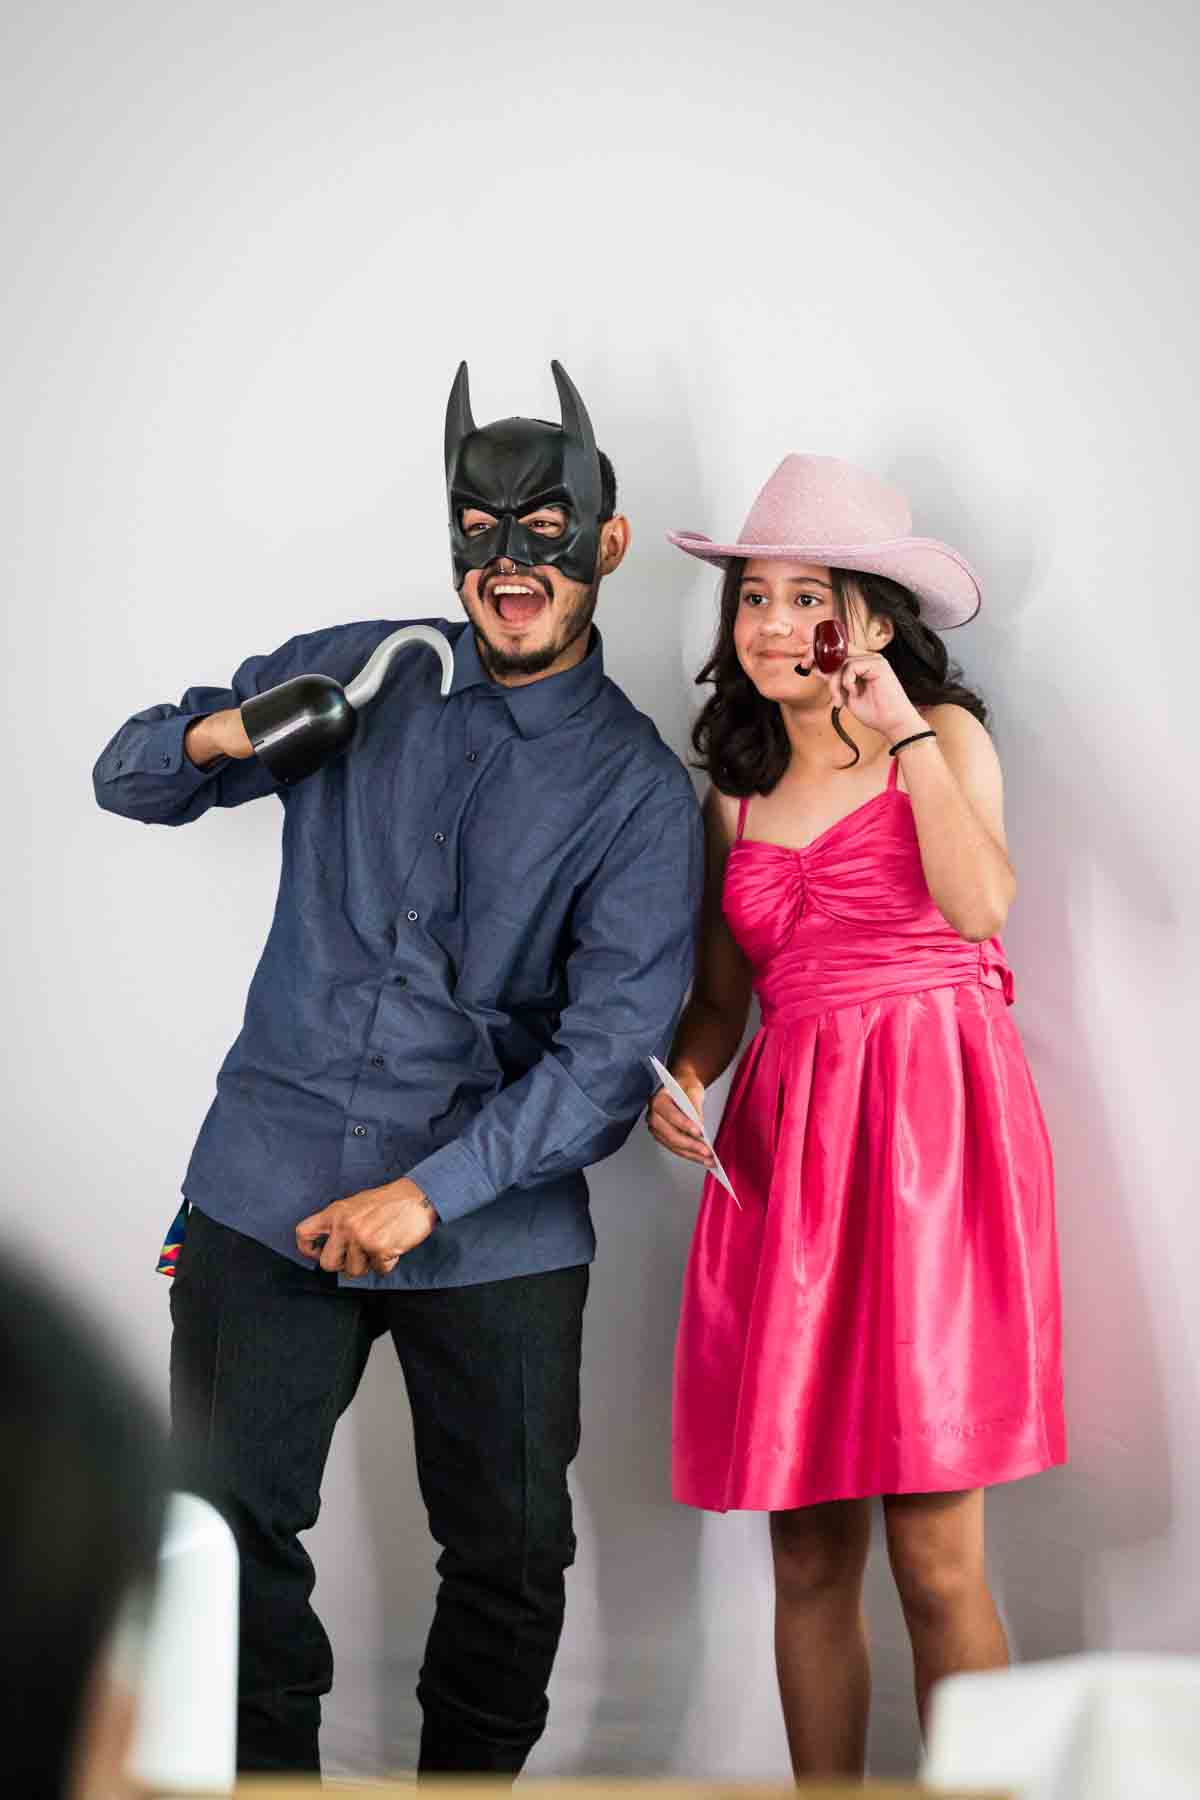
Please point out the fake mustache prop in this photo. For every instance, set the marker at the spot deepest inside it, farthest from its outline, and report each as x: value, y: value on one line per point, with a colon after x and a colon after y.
x: 298, y: 726
x: 830, y: 648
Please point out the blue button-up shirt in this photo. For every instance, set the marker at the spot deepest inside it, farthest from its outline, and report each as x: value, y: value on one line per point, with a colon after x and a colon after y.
x: 485, y: 924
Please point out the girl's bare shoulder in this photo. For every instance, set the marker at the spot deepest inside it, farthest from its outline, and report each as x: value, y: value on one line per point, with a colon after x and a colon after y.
x: 964, y: 737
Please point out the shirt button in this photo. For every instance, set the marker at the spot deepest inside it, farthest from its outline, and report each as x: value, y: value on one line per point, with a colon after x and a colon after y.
x: 120, y: 762
x: 377, y: 1062
x: 360, y: 1131
x: 401, y: 980
x: 439, y: 837
x: 472, y: 756
x: 166, y: 762
x: 412, y: 917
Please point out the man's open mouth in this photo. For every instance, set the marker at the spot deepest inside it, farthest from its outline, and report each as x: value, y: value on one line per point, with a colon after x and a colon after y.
x: 517, y: 602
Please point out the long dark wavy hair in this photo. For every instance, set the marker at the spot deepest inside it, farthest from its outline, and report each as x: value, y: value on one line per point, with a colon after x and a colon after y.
x: 740, y: 739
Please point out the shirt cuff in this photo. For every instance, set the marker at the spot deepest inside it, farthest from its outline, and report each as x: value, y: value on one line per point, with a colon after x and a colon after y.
x: 159, y: 751
x: 453, y: 1181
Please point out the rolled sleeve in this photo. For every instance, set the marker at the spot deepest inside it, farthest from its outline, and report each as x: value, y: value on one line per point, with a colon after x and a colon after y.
x: 633, y: 937
x: 145, y: 773
x: 152, y: 749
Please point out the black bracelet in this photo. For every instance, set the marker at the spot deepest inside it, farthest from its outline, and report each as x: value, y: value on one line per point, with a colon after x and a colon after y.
x: 914, y: 739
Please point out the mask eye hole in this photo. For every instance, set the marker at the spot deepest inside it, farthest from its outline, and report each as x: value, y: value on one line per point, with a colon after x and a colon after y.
x: 546, y: 521
x: 473, y: 521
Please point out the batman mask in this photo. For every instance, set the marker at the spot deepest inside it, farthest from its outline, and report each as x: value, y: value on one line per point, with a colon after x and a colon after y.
x: 511, y: 468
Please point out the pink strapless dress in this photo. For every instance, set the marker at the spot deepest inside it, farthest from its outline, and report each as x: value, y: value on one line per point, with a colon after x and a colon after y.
x: 883, y: 1315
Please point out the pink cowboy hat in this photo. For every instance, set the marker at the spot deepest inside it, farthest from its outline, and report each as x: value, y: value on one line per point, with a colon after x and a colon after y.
x: 819, y: 509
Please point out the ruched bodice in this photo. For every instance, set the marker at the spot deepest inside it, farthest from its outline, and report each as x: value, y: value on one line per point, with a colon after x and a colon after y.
x: 849, y: 918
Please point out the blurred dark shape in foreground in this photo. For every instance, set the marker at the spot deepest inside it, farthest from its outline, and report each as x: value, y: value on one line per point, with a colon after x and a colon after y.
x: 81, y: 1510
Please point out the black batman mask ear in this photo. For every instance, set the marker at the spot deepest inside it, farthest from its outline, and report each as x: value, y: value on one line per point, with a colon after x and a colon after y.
x: 459, y: 423
x: 581, y: 461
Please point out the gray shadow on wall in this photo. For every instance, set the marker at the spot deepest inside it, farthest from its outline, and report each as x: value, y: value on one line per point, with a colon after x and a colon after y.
x: 1049, y: 1535
x: 645, y: 1546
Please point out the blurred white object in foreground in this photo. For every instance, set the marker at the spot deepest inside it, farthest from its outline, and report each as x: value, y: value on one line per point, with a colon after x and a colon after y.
x: 186, y: 1738
x: 1075, y: 1728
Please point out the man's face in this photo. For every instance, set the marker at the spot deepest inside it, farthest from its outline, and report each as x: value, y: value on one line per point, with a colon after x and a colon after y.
x: 529, y: 618
x: 527, y: 538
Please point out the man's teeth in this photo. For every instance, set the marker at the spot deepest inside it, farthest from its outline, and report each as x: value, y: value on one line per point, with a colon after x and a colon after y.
x: 511, y: 590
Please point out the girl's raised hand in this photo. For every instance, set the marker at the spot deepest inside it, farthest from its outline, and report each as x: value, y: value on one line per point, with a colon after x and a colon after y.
x: 869, y: 688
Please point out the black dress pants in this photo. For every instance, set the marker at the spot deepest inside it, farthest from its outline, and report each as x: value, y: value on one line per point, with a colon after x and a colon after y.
x: 265, y: 1357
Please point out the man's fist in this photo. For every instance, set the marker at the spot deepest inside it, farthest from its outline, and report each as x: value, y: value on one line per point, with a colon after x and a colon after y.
x: 369, y: 1231
x: 220, y: 734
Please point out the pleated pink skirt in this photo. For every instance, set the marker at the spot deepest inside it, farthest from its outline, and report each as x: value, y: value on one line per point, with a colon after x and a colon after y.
x: 883, y: 1314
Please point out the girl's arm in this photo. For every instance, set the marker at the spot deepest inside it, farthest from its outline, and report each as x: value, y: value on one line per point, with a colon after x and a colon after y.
x: 714, y: 1018
x: 957, y: 794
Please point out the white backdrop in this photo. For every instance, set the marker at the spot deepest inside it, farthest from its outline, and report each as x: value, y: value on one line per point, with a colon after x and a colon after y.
x: 244, y: 250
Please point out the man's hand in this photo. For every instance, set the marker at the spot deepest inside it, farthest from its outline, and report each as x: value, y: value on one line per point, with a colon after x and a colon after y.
x: 220, y: 734
x: 369, y: 1231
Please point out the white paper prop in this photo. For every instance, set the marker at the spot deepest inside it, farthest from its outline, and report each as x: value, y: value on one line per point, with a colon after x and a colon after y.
x: 685, y: 1106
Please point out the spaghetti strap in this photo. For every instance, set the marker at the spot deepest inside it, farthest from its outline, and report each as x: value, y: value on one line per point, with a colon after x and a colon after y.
x: 743, y: 807
x: 894, y: 774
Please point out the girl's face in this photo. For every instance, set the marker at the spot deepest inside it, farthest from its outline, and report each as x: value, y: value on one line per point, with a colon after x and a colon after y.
x: 779, y: 607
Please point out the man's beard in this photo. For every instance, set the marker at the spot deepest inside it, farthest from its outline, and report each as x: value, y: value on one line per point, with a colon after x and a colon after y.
x: 575, y: 621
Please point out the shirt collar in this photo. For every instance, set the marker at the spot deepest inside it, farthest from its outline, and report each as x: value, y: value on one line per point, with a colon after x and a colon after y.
x: 538, y: 706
